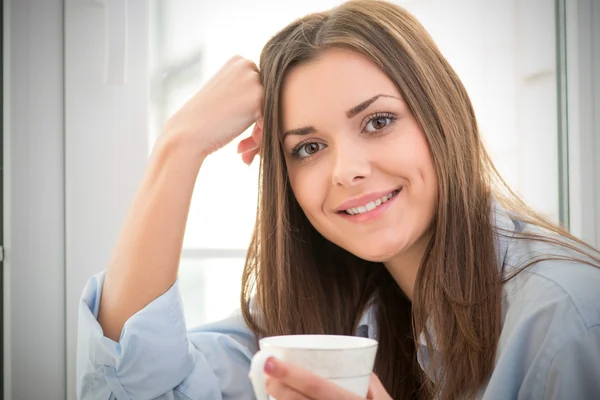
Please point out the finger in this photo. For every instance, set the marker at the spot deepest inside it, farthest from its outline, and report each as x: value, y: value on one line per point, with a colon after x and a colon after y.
x: 248, y: 156
x: 306, y: 382
x: 376, y: 389
x: 247, y: 144
x: 251, y: 64
x: 258, y: 131
x: 281, y: 391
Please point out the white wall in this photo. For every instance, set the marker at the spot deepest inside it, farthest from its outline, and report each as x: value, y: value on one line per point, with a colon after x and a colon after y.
x: 105, y: 146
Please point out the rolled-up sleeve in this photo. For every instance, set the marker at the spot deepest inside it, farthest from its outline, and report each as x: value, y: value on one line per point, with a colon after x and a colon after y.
x: 157, y: 358
x: 575, y: 369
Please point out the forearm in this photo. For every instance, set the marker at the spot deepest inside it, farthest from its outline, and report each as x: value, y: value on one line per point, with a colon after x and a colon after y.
x: 145, y: 260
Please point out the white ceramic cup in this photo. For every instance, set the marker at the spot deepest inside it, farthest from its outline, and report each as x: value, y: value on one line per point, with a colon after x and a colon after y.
x: 344, y: 360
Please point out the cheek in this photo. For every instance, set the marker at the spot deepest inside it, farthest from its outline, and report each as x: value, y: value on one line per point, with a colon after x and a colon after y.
x: 405, y: 155
x: 425, y: 179
x: 426, y: 169
x: 410, y: 159
x: 415, y: 158
x: 309, y: 187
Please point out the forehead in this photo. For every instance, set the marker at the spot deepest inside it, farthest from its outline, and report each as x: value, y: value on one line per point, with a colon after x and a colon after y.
x: 331, y: 84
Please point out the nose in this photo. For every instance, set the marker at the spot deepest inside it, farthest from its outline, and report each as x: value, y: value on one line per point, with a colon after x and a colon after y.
x: 351, y: 164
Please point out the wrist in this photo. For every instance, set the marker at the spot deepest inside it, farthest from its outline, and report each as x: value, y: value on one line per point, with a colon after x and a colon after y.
x: 180, y: 145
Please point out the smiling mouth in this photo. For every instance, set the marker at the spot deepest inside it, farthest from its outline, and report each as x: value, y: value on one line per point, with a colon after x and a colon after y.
x: 370, y: 206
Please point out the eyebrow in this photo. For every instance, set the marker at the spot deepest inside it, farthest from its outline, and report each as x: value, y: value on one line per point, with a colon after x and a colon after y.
x: 354, y: 111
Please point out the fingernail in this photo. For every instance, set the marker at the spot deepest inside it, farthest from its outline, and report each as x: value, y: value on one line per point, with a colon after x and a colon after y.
x: 269, y: 365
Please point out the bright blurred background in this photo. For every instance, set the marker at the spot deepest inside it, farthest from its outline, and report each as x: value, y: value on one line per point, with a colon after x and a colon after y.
x: 503, y: 50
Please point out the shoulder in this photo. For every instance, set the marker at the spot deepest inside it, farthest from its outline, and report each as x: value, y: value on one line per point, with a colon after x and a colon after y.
x: 550, y: 319
x: 549, y: 303
x: 550, y: 300
x: 559, y: 283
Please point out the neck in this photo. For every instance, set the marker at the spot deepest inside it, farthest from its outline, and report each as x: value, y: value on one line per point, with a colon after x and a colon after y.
x: 404, y: 266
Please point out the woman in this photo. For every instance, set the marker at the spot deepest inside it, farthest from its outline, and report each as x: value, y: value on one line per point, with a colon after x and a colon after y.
x: 380, y: 214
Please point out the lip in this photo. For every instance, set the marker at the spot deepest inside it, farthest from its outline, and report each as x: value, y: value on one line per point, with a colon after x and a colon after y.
x: 362, y: 200
x: 373, y: 215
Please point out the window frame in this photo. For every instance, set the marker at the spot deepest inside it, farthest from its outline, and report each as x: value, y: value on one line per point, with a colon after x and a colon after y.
x: 581, y: 49
x: 33, y: 200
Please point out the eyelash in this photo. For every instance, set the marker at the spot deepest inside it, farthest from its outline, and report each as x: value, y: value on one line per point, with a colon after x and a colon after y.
x: 369, y: 119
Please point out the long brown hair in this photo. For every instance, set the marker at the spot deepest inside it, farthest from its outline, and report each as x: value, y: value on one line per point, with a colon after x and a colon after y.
x: 302, y: 283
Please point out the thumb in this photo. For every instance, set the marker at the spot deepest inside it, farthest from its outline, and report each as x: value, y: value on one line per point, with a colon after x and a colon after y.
x: 376, y: 389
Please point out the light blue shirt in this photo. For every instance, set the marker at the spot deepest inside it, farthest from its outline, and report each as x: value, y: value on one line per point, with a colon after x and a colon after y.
x: 549, y: 346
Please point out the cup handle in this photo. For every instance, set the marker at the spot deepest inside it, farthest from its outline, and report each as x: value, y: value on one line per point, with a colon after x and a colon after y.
x: 257, y: 373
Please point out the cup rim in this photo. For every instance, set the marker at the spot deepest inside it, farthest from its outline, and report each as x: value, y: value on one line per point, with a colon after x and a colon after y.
x: 367, y: 342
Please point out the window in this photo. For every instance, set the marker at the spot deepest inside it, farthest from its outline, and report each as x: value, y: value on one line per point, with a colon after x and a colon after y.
x: 503, y: 51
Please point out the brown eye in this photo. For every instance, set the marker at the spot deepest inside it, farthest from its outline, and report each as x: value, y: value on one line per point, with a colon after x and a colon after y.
x: 308, y: 149
x: 311, y: 148
x: 378, y: 123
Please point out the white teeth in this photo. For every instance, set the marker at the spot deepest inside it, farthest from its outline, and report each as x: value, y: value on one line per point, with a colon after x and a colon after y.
x: 371, y: 205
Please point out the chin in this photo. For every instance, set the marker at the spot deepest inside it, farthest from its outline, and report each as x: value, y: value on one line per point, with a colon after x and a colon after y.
x: 377, y: 253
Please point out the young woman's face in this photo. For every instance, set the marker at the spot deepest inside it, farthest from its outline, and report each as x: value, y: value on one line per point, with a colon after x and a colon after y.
x: 358, y: 162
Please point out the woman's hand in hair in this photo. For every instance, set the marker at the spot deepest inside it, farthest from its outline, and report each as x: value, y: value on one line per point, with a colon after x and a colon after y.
x: 286, y: 381
x: 228, y: 104
x: 250, y: 146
